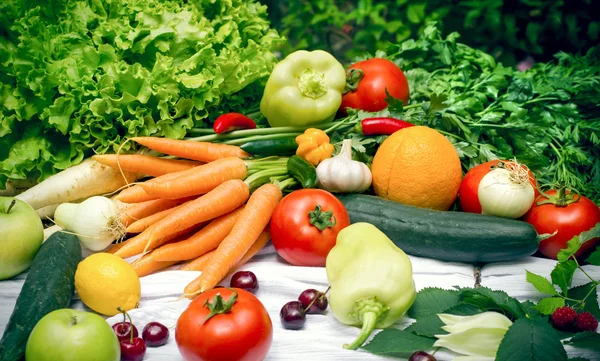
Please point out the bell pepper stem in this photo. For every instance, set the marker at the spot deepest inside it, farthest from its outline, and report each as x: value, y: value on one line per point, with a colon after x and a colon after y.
x: 369, y: 319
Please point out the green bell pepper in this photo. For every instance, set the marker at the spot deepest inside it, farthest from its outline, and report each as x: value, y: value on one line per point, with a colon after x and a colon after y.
x: 304, y: 172
x: 304, y: 88
x: 370, y: 279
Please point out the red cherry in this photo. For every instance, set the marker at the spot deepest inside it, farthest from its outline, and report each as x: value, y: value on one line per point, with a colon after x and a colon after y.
x: 133, y: 351
x: 155, y: 334
x: 122, y: 329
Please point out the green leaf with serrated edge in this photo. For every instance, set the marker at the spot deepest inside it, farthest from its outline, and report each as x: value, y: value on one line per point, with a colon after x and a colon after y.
x: 594, y: 258
x: 532, y: 340
x: 575, y: 243
x: 489, y: 300
x: 530, y: 309
x: 432, y: 301
x: 431, y: 325
x: 394, y: 342
x: 548, y: 305
x: 540, y: 283
x: 562, y: 274
x: 586, y: 339
x: 591, y: 303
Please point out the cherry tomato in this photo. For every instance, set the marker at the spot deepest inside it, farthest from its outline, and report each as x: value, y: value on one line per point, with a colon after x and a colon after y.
x: 295, y: 223
x: 569, y: 220
x: 242, y: 333
x: 370, y: 93
x: 468, y: 193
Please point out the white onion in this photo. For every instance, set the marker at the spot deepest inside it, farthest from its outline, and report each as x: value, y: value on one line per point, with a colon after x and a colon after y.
x: 506, y: 193
x: 95, y: 221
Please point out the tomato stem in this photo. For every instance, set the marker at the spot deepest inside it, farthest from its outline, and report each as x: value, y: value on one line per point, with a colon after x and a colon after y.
x: 321, y: 220
x: 353, y: 77
x: 561, y: 199
x: 219, y: 305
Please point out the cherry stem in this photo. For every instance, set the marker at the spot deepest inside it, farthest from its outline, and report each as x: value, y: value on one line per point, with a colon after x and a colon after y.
x: 319, y: 296
x: 130, y: 324
x: 11, y: 205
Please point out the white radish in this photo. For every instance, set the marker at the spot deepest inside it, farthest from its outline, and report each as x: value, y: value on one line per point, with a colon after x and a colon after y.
x: 95, y: 221
x: 88, y: 178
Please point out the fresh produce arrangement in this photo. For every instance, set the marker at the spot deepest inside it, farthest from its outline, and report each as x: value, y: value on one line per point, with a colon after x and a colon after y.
x: 179, y: 142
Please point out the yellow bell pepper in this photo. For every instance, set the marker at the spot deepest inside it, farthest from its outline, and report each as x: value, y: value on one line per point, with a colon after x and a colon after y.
x: 314, y: 146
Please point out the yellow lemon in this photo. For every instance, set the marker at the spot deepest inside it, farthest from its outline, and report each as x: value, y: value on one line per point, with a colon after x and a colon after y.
x: 105, y: 283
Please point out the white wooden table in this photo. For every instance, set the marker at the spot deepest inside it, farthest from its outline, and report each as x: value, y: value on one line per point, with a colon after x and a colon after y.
x: 322, y: 336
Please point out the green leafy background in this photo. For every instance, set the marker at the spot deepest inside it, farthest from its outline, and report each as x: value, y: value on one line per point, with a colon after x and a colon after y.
x: 511, y: 30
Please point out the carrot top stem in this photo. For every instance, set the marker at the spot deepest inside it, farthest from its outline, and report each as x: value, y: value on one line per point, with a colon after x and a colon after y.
x: 264, y: 176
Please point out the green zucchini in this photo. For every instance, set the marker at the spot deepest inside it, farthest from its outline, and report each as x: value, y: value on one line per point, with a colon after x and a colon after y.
x: 446, y: 236
x: 49, y: 286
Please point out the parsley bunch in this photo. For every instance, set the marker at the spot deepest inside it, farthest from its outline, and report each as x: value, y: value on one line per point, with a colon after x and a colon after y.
x: 547, y: 117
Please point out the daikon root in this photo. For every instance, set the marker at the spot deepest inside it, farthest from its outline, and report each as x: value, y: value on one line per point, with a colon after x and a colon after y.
x: 89, y: 178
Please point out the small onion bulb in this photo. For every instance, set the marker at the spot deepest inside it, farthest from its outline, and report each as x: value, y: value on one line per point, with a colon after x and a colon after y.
x: 95, y: 221
x: 506, y: 192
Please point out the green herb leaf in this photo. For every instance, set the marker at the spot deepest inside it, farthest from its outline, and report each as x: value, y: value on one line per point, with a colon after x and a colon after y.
x: 594, y: 258
x: 532, y: 340
x: 591, y: 303
x: 433, y: 301
x: 562, y: 274
x: 575, y: 243
x: 586, y: 339
x: 548, y: 305
x: 394, y: 342
x: 489, y: 300
x: 431, y: 325
x: 540, y: 283
x: 530, y: 309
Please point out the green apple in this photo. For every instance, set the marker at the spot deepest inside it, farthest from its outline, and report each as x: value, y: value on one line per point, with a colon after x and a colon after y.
x: 72, y: 335
x: 21, y: 235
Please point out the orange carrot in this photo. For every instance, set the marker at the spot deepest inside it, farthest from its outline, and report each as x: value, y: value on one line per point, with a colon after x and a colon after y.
x: 201, y: 262
x: 142, y: 224
x: 135, y: 194
x: 250, y: 224
x: 226, y: 197
x: 206, y: 239
x: 144, y: 164
x: 147, y: 264
x: 200, y: 151
x: 135, y: 245
x: 115, y: 247
x: 148, y: 208
x: 259, y: 244
x: 199, y: 180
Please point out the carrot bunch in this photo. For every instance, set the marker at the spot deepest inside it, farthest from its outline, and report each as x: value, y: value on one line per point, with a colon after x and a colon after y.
x: 209, y: 209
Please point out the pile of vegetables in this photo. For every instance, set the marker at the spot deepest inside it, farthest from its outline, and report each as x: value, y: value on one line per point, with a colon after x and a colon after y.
x: 79, y: 77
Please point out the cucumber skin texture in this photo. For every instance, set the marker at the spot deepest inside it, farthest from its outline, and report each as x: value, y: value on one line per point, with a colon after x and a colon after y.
x: 445, y: 236
x: 49, y: 286
x: 269, y: 147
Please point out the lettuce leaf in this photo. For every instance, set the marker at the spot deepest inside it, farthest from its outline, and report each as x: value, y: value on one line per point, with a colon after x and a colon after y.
x: 78, y: 77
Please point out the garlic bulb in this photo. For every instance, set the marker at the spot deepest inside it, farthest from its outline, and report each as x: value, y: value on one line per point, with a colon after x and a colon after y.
x: 342, y: 174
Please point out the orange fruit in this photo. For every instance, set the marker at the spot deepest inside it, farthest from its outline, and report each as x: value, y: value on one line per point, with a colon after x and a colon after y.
x: 417, y: 166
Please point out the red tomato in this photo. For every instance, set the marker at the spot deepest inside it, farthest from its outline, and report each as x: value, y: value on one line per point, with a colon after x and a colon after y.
x: 468, y: 193
x: 293, y: 232
x: 244, y: 333
x: 569, y: 221
x: 379, y: 75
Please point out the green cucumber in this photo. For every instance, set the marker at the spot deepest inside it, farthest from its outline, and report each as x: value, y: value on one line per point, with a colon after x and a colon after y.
x: 269, y: 147
x: 445, y: 236
x: 49, y: 286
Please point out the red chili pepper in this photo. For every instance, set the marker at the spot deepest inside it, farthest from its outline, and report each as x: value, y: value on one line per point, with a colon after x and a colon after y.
x: 383, y: 125
x: 232, y: 121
